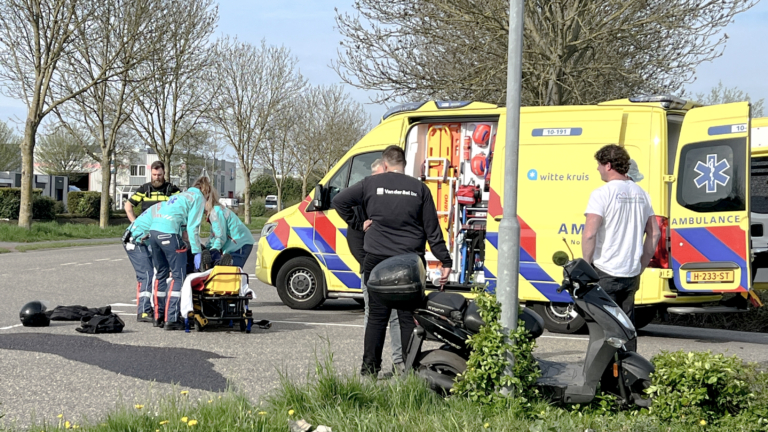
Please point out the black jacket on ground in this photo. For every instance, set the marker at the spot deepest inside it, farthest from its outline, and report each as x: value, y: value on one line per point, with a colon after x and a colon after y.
x: 403, y: 214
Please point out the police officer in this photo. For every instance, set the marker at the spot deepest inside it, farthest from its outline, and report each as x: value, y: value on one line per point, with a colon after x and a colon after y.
x: 403, y: 218
x: 149, y: 194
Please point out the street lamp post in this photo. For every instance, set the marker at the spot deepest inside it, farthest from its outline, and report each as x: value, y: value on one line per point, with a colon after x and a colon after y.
x: 509, y: 227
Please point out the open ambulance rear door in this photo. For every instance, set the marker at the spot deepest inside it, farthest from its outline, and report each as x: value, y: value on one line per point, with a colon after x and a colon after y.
x: 709, y: 209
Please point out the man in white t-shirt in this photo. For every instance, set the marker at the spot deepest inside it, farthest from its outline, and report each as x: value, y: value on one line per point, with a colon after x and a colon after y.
x: 621, y: 233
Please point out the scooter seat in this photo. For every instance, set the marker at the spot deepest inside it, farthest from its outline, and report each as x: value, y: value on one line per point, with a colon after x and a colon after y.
x: 444, y: 303
x: 472, y: 320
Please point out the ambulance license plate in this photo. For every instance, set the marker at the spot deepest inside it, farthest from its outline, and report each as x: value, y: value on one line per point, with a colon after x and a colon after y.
x: 711, y: 276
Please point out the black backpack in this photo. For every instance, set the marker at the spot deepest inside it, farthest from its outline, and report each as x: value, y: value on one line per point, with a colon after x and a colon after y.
x: 101, y: 324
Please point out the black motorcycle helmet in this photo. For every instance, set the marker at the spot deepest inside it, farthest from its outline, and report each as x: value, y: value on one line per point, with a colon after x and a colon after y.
x: 33, y: 315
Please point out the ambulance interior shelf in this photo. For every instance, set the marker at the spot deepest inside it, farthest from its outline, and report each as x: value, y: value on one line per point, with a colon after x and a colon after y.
x: 455, y: 161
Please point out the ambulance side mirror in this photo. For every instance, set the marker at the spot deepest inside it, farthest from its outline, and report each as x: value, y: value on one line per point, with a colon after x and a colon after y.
x: 319, y: 202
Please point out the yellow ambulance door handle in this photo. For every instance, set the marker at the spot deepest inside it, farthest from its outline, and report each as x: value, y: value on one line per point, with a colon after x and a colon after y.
x: 669, y: 178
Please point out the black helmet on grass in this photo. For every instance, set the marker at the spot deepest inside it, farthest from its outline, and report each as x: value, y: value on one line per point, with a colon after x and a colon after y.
x: 33, y: 315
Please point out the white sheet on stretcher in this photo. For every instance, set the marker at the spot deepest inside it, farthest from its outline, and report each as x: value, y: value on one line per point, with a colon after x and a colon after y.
x: 186, y: 289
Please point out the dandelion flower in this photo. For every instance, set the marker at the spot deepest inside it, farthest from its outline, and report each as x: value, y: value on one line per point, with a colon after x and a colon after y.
x: 703, y: 422
x: 486, y: 426
x: 66, y: 424
x: 210, y: 400
x: 290, y: 412
x: 262, y: 413
x: 192, y: 423
x: 184, y: 392
x: 137, y: 406
x: 75, y: 426
x: 60, y: 415
x: 164, y: 422
x: 184, y: 419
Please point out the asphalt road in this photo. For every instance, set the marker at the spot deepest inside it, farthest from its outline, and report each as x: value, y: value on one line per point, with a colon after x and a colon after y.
x: 54, y: 370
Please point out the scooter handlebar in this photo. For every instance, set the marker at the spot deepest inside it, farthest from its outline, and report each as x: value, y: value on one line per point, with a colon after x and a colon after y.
x: 563, y: 286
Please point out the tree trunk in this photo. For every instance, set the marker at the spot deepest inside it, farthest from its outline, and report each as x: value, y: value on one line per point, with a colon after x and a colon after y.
x: 106, y: 180
x: 167, y: 161
x: 247, y: 194
x: 279, y: 195
x: 304, y: 181
x: 27, y: 173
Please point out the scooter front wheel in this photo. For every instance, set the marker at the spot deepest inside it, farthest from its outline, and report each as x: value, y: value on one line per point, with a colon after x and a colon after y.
x: 440, y: 368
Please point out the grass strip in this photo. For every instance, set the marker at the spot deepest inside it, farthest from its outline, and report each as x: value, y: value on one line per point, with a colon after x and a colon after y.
x: 4, y: 250
x: 56, y: 245
x: 348, y: 402
x: 51, y: 231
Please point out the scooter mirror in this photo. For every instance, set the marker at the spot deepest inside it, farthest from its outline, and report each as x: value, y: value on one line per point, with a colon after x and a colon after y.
x: 560, y: 258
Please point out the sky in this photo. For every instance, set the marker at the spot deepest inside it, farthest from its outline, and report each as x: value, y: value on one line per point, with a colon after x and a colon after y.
x: 307, y: 28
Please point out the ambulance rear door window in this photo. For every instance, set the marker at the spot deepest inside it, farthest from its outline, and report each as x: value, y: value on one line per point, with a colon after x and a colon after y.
x: 758, y: 185
x: 712, y: 176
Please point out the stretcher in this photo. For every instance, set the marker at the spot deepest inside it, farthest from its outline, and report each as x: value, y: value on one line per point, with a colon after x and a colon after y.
x: 218, y: 296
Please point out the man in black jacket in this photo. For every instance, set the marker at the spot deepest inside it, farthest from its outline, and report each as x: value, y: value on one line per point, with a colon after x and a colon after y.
x: 403, y: 218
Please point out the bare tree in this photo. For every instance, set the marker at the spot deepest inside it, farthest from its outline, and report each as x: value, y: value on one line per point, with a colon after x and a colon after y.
x: 721, y: 94
x: 277, y: 150
x: 173, y: 100
x: 331, y: 123
x: 130, y: 32
x: 63, y: 152
x: 10, y: 152
x: 575, y: 51
x: 256, y: 88
x: 39, y: 40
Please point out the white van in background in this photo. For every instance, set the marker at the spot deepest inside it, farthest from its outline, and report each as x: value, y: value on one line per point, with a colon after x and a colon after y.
x: 229, y: 202
x: 270, y: 202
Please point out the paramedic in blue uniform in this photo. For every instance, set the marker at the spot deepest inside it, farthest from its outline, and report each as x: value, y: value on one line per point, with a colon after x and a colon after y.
x: 169, y: 251
x: 229, y: 235
x: 136, y: 244
x: 620, y: 233
x: 149, y: 194
x: 404, y: 219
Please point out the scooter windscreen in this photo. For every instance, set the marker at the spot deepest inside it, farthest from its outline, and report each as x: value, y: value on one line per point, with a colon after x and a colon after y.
x: 580, y: 271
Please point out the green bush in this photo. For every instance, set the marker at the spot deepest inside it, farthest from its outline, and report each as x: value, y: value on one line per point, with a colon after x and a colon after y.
x: 488, y: 361
x: 10, y: 202
x: 265, y: 185
x: 73, y: 201
x: 59, y: 207
x: 43, y: 208
x: 89, y: 205
x: 705, y: 386
x: 258, y: 209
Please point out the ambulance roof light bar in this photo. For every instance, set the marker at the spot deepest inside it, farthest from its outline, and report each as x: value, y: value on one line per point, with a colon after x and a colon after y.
x: 410, y: 106
x: 666, y: 101
x: 413, y: 106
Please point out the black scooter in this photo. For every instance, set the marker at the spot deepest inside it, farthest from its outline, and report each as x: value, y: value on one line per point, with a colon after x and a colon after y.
x: 450, y: 319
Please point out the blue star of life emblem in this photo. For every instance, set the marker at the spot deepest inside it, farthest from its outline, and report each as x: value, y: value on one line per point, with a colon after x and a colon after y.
x: 711, y: 173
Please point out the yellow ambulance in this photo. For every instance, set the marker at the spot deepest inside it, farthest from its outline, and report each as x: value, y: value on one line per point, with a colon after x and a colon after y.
x: 693, y: 161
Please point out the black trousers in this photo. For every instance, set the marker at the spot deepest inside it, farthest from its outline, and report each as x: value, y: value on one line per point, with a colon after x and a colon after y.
x: 622, y: 290
x: 378, y: 321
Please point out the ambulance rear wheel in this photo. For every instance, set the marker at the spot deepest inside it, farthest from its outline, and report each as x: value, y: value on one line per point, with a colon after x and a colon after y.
x: 558, y: 317
x: 300, y: 283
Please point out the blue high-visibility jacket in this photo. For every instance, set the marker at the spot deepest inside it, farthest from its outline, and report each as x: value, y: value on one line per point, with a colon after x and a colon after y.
x: 140, y: 227
x: 228, y: 232
x: 181, y: 209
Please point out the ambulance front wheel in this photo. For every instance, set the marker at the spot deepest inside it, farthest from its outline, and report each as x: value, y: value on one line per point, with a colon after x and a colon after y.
x: 300, y: 283
x: 559, y: 317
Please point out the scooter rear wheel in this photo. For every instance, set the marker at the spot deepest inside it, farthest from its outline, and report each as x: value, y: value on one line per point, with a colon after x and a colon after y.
x: 440, y: 368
